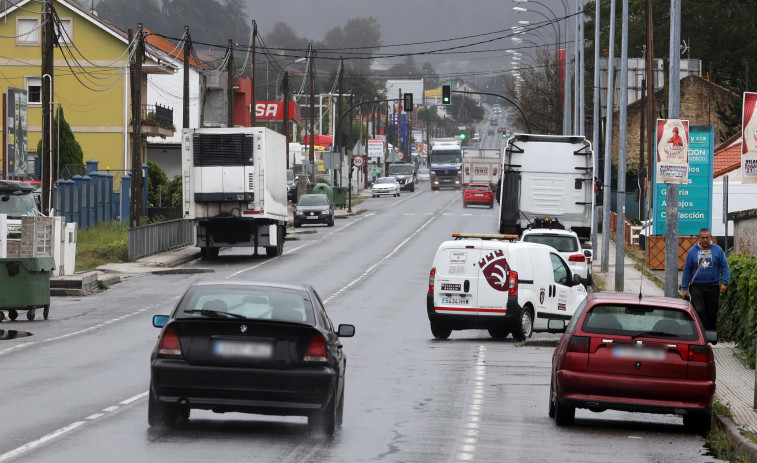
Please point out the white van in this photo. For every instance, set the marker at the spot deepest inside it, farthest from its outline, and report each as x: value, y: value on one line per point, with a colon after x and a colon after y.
x: 483, y: 281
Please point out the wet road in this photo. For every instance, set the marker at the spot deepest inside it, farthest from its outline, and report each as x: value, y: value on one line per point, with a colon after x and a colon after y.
x: 76, y: 389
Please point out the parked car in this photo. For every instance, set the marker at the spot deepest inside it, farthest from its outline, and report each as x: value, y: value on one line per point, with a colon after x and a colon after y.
x: 490, y: 282
x: 385, y: 186
x: 291, y: 186
x: 633, y: 353
x: 17, y: 199
x: 423, y: 175
x: 313, y: 209
x: 478, y: 193
x: 566, y: 243
x: 250, y: 347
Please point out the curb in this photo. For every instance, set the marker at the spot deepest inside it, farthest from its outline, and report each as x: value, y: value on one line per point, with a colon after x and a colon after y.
x: 734, y: 436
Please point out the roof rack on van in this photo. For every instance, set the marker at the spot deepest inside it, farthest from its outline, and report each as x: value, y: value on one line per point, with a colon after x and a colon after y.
x: 484, y: 236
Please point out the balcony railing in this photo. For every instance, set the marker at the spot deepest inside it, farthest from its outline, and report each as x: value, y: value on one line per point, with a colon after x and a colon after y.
x: 158, y: 116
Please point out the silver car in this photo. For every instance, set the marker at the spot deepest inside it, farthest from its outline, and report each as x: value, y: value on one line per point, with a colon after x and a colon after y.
x: 385, y: 186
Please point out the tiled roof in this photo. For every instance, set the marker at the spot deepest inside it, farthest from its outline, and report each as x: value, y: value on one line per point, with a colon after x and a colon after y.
x: 169, y: 48
x: 727, y: 156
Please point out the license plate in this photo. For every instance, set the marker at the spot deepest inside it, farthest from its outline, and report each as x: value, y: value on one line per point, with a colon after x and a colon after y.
x: 478, y: 194
x: 455, y: 300
x: 312, y: 217
x: 255, y: 350
x: 445, y: 180
x: 638, y: 353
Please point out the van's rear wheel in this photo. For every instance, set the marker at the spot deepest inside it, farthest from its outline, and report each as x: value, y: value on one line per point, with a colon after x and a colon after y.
x: 499, y: 332
x: 524, y: 325
x: 440, y: 330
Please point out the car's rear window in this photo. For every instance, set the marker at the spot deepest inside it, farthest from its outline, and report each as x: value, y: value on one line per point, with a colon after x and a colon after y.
x: 479, y: 187
x: 561, y: 243
x: 646, y: 321
x: 249, y: 303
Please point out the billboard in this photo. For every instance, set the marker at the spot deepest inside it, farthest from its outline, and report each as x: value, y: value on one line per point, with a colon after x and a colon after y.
x: 694, y: 196
x: 749, y: 139
x: 15, y: 133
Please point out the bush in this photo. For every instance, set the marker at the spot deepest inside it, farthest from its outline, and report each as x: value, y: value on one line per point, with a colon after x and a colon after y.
x: 737, y: 316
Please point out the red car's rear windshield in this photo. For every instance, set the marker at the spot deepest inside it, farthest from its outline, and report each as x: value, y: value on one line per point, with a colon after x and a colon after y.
x: 641, y: 321
x: 479, y: 187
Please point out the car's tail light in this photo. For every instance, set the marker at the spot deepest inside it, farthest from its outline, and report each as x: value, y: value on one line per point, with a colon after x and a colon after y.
x: 700, y: 353
x: 579, y: 344
x: 512, y: 283
x: 169, y: 343
x: 577, y: 258
x: 317, y: 351
x: 431, y: 278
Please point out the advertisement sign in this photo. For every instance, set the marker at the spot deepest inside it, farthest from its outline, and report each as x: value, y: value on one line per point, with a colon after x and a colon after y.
x: 672, y: 151
x: 274, y: 110
x: 15, y: 133
x: 695, y: 196
x: 749, y: 139
x: 375, y: 147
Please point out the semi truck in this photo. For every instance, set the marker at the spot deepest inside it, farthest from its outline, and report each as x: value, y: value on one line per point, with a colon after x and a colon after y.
x: 547, y: 182
x: 235, y: 188
x: 481, y: 166
x: 445, y: 159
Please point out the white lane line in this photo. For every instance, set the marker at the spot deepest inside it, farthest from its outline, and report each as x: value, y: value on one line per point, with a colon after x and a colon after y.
x: 94, y: 416
x: 134, y: 399
x: 373, y: 267
x: 36, y: 443
x: 112, y: 408
x: 467, y: 449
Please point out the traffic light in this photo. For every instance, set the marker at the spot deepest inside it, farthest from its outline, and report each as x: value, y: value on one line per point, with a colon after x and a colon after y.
x: 408, y: 102
x: 446, y: 94
x: 462, y: 136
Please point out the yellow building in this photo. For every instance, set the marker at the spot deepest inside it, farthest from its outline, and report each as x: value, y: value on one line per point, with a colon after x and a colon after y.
x: 90, y: 78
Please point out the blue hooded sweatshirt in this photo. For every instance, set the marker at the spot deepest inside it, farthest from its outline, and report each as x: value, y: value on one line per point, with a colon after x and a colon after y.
x: 711, y: 269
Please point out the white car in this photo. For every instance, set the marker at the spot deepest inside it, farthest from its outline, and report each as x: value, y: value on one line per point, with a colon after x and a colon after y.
x: 567, y: 244
x: 385, y: 186
x: 423, y: 175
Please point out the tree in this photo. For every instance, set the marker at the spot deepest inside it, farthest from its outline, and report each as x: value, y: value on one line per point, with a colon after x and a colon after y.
x: 156, y: 180
x: 70, y: 150
x: 540, y: 93
x: 359, y: 38
x: 128, y: 13
x: 406, y: 70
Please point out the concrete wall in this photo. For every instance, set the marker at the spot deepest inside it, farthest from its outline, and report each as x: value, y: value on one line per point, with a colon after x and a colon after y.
x: 745, y: 232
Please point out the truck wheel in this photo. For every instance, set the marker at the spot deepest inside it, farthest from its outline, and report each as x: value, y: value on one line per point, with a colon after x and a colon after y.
x: 209, y: 253
x: 440, y: 330
x: 499, y: 332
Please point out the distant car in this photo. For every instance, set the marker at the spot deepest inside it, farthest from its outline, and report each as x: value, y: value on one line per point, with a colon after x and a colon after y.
x: 500, y: 129
x: 423, y: 175
x: 291, y: 186
x: 478, y: 193
x: 633, y: 353
x: 385, y: 186
x: 568, y: 245
x: 476, y: 137
x: 312, y: 209
x: 250, y: 347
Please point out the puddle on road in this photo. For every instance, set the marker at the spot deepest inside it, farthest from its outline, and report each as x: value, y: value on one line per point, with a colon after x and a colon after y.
x: 13, y: 334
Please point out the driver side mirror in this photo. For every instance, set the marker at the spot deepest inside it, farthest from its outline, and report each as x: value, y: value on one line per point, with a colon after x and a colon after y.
x: 576, y: 280
x: 587, y: 253
x: 556, y: 326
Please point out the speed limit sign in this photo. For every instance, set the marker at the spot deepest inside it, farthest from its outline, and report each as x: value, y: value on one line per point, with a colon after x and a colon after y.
x: 358, y: 161
x: 400, y: 155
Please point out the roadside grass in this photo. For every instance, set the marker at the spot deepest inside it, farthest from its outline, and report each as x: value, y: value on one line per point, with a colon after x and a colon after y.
x: 717, y: 440
x: 102, y: 244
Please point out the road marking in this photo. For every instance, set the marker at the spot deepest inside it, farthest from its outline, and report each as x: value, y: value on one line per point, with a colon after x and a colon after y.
x: 467, y: 449
x: 134, y: 399
x: 34, y: 444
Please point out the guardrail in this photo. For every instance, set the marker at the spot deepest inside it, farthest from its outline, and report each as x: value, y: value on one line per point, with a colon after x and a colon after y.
x: 159, y: 237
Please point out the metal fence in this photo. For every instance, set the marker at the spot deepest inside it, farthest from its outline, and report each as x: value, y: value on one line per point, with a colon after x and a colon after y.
x: 158, y: 237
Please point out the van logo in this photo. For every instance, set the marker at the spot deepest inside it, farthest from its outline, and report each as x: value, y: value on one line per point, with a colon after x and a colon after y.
x: 495, y: 270
x: 541, y: 296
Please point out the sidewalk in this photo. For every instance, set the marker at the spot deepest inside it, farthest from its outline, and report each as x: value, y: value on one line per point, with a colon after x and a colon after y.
x: 735, y: 384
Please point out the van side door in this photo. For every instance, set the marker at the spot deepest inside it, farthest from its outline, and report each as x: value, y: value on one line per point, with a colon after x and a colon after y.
x: 563, y: 293
x: 493, y: 286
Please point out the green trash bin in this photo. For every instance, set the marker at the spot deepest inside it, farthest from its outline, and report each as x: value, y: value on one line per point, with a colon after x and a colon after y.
x: 325, y: 189
x: 25, y: 285
x: 340, y: 196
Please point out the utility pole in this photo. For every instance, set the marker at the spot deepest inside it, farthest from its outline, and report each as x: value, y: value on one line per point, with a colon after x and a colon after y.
x: 607, y: 187
x: 311, y: 77
x: 253, y: 101
x: 48, y: 71
x: 137, y: 179
x: 642, y: 152
x: 651, y: 183
x: 230, y: 86
x: 285, y: 91
x: 674, y: 112
x: 595, y: 130
x: 566, y: 85
x: 620, y: 228
x: 187, y: 51
x: 338, y: 136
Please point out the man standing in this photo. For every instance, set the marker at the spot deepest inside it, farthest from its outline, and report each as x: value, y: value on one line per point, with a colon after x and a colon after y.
x: 705, y: 276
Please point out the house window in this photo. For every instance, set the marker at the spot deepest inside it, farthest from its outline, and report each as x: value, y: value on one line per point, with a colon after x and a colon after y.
x: 64, y: 32
x: 34, y: 90
x: 27, y: 31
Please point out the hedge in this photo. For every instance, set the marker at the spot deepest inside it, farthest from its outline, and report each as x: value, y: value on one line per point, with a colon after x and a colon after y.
x: 737, y: 317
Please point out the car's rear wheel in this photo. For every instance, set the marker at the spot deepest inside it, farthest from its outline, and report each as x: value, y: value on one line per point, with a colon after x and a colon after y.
x: 499, y: 332
x: 524, y: 325
x: 160, y: 414
x: 440, y: 330
x: 698, y: 422
x: 324, y: 421
x: 340, y: 408
x: 564, y: 414
x: 551, y: 400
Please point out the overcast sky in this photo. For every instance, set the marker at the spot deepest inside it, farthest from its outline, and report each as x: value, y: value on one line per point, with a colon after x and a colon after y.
x: 407, y: 21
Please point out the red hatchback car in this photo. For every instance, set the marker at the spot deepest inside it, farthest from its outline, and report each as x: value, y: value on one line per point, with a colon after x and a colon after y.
x: 631, y: 353
x: 478, y: 193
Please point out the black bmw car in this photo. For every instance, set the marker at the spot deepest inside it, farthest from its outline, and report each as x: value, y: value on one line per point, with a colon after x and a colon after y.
x: 250, y: 347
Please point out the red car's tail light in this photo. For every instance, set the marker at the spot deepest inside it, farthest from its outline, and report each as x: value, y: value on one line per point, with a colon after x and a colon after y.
x: 431, y: 278
x: 579, y: 344
x: 577, y: 258
x: 512, y: 283
x: 317, y: 351
x: 169, y: 343
x: 700, y: 354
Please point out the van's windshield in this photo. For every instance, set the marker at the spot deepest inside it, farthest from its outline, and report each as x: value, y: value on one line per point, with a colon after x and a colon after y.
x: 15, y: 206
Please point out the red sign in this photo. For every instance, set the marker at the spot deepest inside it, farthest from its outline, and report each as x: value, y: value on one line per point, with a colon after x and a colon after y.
x: 274, y: 110
x: 358, y: 161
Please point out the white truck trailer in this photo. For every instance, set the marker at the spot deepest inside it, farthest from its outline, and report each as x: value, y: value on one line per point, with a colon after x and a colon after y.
x: 235, y: 188
x: 481, y: 166
x: 547, y: 182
